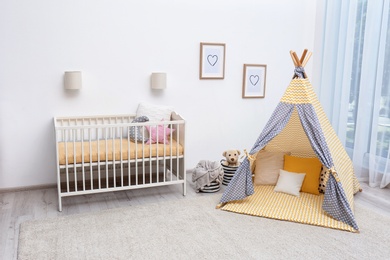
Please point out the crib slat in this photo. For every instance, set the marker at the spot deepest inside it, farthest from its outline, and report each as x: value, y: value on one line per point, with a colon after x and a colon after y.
x: 74, y: 159
x: 150, y: 156
x: 121, y: 154
x: 106, y: 156
x: 82, y: 157
x: 128, y: 156
x: 98, y: 159
x: 90, y: 156
x: 66, y: 162
x: 161, y: 155
x: 113, y: 154
x: 170, y: 156
x: 171, y: 159
x: 143, y: 164
x: 177, y: 157
x: 136, y: 160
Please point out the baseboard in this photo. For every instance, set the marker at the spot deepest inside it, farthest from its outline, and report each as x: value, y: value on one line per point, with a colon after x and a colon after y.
x: 27, y: 188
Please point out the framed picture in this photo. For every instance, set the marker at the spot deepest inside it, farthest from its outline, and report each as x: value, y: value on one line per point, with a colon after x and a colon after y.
x: 254, y: 81
x: 212, y: 61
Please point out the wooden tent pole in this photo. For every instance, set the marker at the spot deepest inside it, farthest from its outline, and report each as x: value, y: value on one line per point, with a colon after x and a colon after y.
x: 303, y: 56
x: 306, y: 59
x: 297, y: 59
x: 293, y: 59
x: 300, y: 62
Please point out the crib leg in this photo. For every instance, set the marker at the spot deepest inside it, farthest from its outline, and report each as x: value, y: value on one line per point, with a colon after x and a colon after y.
x: 59, y: 203
x: 184, y: 189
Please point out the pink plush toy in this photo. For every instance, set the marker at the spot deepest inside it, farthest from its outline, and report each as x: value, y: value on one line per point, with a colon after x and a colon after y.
x: 159, y: 134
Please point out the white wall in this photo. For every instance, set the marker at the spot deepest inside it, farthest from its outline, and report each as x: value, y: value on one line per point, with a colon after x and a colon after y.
x: 117, y: 44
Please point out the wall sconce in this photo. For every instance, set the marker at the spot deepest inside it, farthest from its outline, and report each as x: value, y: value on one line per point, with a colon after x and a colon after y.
x: 159, y: 80
x: 72, y: 80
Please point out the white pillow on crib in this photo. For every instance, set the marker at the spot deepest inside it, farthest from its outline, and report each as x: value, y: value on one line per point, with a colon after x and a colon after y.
x: 155, y: 112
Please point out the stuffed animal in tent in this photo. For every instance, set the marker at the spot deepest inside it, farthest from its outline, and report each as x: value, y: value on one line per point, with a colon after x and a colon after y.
x: 232, y: 157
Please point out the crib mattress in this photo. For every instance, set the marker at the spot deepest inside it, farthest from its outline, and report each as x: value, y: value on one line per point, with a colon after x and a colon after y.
x: 306, y: 209
x: 128, y: 149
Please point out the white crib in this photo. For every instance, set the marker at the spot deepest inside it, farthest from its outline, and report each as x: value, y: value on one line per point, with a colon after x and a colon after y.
x: 96, y: 154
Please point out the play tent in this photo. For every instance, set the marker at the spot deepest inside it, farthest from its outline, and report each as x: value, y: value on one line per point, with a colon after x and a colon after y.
x: 298, y: 126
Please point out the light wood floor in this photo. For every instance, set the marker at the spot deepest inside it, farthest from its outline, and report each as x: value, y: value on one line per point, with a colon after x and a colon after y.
x: 17, y: 207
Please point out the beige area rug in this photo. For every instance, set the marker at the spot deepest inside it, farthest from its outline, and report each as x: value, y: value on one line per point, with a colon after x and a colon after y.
x: 191, y: 228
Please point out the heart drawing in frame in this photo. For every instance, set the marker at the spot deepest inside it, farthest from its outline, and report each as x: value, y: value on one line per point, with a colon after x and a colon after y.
x: 212, y: 59
x: 254, y: 79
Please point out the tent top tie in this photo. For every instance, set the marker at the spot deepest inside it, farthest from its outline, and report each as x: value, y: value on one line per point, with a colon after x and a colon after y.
x: 299, y: 72
x: 250, y: 157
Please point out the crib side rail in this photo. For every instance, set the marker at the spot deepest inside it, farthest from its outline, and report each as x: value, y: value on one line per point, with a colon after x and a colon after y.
x: 92, y: 120
x: 77, y: 128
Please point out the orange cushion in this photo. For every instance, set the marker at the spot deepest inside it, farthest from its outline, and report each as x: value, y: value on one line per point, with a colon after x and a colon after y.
x: 310, y: 166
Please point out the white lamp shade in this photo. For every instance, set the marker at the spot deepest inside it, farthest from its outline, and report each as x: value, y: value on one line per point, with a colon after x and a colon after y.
x: 72, y: 80
x: 159, y: 80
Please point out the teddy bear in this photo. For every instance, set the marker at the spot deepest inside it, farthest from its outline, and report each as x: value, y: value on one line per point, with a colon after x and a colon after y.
x: 232, y: 157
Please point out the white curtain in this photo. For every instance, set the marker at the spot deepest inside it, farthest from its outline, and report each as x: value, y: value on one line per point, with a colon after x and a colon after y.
x: 354, y: 83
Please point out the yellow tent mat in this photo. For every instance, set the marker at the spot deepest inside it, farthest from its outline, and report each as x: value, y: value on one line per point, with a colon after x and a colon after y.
x: 306, y: 209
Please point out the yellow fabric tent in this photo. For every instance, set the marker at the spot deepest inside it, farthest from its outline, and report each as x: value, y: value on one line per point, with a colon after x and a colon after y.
x: 298, y: 126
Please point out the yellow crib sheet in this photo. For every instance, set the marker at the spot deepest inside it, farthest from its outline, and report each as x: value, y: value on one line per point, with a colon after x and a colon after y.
x: 118, y: 147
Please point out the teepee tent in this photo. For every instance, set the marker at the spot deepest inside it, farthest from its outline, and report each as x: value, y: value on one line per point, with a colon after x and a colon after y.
x: 299, y: 125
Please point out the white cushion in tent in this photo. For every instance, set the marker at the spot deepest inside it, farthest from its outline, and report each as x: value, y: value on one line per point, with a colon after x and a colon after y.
x: 289, y: 182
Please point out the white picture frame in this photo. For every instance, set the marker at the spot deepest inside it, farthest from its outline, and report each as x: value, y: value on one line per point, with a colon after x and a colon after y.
x: 254, y: 81
x: 212, y: 61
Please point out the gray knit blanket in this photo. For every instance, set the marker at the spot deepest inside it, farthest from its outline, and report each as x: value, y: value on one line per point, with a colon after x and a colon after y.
x: 206, y: 172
